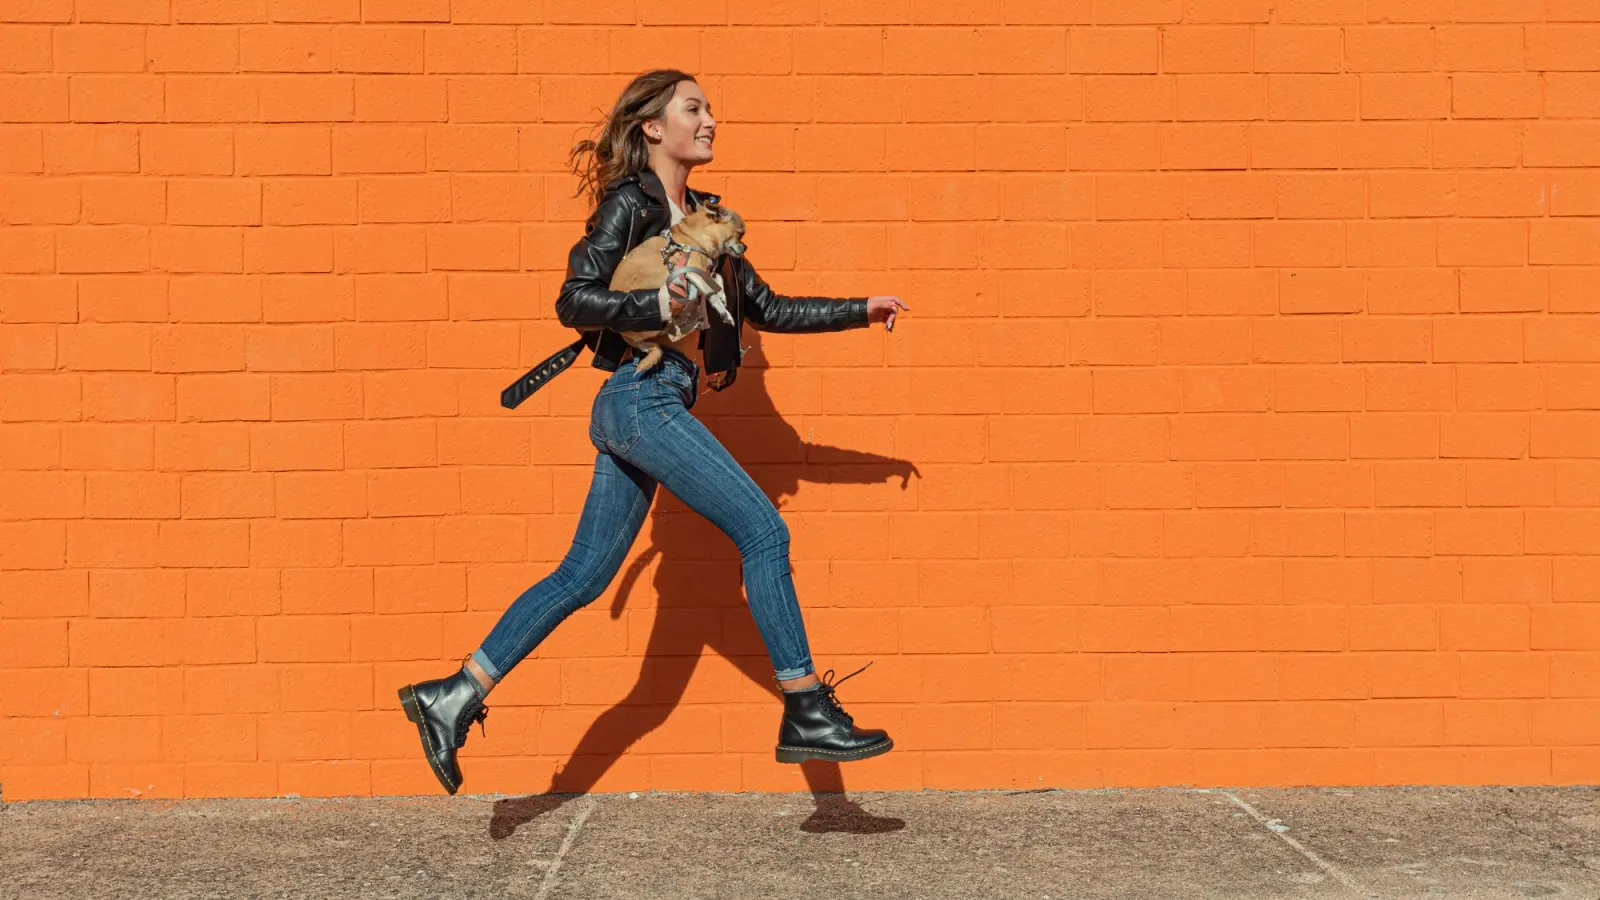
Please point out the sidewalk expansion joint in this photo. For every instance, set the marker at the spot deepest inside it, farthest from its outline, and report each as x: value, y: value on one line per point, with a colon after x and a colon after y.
x: 1299, y: 848
x: 549, y: 881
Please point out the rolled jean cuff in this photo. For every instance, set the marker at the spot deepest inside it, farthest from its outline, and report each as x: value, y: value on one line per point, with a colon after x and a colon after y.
x: 792, y: 674
x: 483, y: 660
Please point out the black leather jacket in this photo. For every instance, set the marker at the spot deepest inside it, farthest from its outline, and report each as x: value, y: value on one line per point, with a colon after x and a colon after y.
x: 634, y: 208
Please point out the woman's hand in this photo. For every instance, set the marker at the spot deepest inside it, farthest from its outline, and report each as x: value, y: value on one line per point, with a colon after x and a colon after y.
x: 883, y: 308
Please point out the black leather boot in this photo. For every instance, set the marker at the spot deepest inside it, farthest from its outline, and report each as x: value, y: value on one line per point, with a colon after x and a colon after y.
x: 444, y: 709
x: 815, y: 726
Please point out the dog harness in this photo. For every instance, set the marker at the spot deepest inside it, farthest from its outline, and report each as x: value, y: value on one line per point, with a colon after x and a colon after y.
x: 684, y: 252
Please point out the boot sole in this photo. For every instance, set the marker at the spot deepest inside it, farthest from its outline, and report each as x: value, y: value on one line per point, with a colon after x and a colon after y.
x: 408, y: 702
x: 801, y: 754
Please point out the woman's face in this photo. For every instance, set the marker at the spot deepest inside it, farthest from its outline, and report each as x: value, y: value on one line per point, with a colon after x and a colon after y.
x: 685, y: 131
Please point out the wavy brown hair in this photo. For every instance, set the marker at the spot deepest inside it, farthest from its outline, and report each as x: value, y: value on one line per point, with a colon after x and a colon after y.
x: 621, y: 149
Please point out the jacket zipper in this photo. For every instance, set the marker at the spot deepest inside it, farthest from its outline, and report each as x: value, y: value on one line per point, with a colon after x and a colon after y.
x: 633, y: 222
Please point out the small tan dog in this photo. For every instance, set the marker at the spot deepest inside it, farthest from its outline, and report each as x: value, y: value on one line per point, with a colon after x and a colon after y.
x: 693, y: 246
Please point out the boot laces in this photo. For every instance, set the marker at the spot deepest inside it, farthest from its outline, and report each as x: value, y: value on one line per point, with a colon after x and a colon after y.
x: 832, y: 701
x: 476, y: 712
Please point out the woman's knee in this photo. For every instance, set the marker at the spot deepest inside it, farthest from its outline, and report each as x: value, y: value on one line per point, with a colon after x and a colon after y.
x: 581, y: 582
x: 770, y: 537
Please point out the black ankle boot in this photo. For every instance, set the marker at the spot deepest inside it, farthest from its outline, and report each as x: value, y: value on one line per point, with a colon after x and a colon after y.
x: 815, y: 726
x: 444, y: 709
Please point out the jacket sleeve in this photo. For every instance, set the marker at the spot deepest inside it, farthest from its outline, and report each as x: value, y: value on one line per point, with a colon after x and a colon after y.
x: 586, y: 299
x: 768, y: 310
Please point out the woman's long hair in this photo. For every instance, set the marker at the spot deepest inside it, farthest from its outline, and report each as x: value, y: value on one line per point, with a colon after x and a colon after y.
x: 622, y: 149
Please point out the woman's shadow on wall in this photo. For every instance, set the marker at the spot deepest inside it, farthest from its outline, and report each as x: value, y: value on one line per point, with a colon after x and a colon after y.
x: 696, y: 613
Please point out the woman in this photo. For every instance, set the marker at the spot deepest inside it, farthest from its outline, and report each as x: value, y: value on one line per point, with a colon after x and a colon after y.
x: 661, y: 128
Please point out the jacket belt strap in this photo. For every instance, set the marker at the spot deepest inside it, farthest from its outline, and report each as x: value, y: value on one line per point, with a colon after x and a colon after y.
x: 535, y: 378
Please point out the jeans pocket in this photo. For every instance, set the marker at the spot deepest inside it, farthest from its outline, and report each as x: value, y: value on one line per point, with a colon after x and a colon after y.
x: 682, y: 380
x: 678, y: 378
x: 614, y: 418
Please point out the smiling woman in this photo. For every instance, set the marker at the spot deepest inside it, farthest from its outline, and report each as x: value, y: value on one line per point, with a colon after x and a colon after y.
x: 664, y: 105
x: 645, y: 435
x: 680, y: 138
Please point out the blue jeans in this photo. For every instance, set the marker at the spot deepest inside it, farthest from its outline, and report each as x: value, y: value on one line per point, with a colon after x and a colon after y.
x: 645, y: 435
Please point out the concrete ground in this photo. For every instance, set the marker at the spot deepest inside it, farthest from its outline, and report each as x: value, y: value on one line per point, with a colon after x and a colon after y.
x: 1464, y: 843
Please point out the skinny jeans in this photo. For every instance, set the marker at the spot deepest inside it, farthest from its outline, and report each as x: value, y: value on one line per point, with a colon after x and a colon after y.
x: 644, y: 435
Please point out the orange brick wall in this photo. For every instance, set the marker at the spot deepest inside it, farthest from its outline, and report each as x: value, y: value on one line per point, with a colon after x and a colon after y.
x: 1251, y: 379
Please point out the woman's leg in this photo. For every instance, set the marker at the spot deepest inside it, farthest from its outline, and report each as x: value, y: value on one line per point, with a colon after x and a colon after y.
x: 675, y: 448
x: 614, y: 511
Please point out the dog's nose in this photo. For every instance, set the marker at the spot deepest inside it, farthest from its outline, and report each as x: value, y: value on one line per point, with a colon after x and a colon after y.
x: 737, y: 247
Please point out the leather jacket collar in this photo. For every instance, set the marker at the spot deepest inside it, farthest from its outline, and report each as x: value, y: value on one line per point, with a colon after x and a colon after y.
x: 651, y: 184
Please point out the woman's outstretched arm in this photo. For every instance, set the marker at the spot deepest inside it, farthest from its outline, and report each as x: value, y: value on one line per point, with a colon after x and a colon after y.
x: 771, y: 311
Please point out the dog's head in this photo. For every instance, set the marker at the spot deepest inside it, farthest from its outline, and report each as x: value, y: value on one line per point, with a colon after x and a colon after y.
x: 716, y: 227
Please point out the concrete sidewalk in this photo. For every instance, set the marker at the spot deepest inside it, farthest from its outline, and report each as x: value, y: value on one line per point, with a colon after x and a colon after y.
x: 1063, y: 845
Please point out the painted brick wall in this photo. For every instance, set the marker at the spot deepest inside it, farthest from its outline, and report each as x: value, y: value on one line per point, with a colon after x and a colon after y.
x: 1251, y: 382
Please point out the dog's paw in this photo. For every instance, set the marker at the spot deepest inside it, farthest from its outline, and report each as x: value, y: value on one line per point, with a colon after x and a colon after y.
x: 704, y: 285
x: 718, y: 299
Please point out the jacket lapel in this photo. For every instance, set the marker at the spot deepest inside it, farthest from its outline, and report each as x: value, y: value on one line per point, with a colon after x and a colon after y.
x: 651, y: 183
